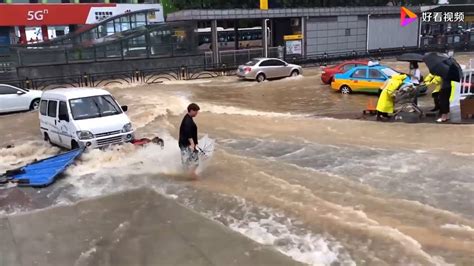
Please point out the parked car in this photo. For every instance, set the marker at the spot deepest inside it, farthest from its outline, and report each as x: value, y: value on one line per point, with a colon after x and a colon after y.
x: 83, y: 117
x: 267, y: 68
x: 328, y: 72
x: 368, y: 79
x: 13, y: 99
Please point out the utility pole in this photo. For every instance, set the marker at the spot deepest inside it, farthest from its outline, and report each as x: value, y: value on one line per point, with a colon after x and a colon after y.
x: 264, y: 6
x: 265, y: 38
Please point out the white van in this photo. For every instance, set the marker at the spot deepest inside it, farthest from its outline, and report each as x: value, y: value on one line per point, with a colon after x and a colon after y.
x: 83, y: 117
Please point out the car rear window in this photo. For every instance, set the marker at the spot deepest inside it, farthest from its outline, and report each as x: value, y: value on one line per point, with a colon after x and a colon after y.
x: 43, y: 107
x: 251, y: 63
x: 389, y: 72
x: 375, y: 74
x: 347, y: 67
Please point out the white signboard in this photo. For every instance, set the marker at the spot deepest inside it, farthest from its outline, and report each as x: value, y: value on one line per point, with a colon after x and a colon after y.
x: 293, y: 47
x: 98, y: 14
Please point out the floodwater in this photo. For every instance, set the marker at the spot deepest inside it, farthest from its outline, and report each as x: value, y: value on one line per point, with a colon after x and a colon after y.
x: 287, y: 172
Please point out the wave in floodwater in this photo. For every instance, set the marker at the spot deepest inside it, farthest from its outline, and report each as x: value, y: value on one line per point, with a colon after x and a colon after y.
x: 270, y: 227
x: 440, y: 180
x: 101, y: 172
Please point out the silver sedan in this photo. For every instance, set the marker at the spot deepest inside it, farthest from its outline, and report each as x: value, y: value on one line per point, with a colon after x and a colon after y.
x: 268, y: 68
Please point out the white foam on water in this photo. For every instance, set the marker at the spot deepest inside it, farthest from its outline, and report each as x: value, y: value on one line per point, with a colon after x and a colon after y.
x: 463, y: 154
x: 115, y: 85
x: 85, y: 256
x: 299, y: 77
x: 147, y: 108
x: 185, y: 82
x: 128, y: 166
x: 269, y: 227
x: 230, y: 110
x: 457, y: 227
x: 122, y: 167
x: 25, y: 153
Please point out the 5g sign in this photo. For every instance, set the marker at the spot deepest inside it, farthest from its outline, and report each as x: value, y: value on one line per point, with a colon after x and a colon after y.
x: 36, y: 15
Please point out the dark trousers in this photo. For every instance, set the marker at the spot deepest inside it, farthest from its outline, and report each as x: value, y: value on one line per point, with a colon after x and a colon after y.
x: 435, y: 96
x: 444, y: 95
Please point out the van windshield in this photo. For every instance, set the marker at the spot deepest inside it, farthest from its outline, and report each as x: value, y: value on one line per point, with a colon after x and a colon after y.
x: 92, y: 107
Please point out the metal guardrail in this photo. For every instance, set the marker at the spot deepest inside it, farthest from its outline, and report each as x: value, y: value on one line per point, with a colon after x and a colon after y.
x: 138, y: 76
x: 230, y: 61
x: 121, y: 51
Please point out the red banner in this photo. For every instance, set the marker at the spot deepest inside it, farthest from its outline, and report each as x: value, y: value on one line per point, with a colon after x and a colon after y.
x: 45, y: 14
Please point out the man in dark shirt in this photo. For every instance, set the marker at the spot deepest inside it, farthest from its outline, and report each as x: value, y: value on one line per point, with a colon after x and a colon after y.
x: 188, y: 140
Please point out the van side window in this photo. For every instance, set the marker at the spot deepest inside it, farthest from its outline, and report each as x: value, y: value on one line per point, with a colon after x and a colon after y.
x: 43, y: 107
x: 62, y: 108
x: 52, y: 108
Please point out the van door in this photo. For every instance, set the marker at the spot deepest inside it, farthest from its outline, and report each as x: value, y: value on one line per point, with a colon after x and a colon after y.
x: 64, y: 125
x: 51, y: 122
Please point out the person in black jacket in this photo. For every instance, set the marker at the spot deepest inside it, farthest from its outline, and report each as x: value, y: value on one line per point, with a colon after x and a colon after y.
x: 188, y: 141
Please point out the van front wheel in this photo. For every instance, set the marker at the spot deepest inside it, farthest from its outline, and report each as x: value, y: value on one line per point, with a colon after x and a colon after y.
x: 74, y: 145
x: 46, y: 137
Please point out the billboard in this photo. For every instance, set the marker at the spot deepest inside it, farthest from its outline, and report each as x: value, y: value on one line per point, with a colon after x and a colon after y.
x: 66, y: 14
x: 293, y: 47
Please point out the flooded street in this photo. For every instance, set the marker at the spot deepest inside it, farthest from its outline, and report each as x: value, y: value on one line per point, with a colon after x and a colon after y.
x: 287, y: 172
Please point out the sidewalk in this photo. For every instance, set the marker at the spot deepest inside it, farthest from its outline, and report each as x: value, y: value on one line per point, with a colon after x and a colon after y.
x: 137, y: 227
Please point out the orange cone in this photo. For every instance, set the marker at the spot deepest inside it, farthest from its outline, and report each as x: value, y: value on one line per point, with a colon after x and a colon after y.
x: 371, y: 107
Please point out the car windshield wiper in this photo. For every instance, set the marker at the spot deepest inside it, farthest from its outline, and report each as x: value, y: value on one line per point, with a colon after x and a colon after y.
x: 98, y: 108
x: 107, y: 100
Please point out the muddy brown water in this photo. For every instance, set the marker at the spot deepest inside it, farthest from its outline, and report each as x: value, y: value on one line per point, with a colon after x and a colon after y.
x: 285, y: 172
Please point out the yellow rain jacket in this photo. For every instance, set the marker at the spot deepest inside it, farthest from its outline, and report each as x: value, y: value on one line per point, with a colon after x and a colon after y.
x: 385, y: 103
x: 453, y: 91
x: 433, y: 80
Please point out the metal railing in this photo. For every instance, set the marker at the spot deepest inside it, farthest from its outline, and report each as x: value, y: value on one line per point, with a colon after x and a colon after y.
x: 113, y: 52
x: 138, y: 76
x: 237, y: 57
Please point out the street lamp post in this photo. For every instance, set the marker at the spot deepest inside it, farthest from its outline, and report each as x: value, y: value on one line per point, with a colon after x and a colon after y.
x: 265, y: 37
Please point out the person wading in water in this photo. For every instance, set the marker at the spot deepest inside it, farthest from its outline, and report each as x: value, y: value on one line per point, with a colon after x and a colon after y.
x: 188, y: 141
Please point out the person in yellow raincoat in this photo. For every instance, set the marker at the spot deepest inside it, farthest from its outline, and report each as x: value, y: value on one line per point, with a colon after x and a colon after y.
x: 435, y: 82
x: 385, y: 105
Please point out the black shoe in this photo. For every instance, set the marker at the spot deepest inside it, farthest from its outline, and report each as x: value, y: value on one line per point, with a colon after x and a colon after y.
x: 434, y: 110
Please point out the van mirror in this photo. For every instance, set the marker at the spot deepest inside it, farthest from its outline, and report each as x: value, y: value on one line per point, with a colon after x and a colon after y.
x: 124, y: 108
x: 63, y: 117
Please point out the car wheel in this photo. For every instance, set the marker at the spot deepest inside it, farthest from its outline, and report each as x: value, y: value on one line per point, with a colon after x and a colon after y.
x: 35, y: 104
x: 294, y: 73
x: 74, y: 145
x: 345, y: 89
x: 260, y: 77
x: 46, y: 137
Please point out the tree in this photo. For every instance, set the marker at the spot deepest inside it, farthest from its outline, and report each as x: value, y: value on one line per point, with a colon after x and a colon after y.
x: 229, y: 4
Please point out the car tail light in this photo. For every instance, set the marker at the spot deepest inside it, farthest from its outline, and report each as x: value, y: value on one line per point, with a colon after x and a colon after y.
x: 247, y: 69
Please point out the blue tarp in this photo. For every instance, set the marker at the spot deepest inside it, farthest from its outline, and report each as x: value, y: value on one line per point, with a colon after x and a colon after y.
x: 44, y: 172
